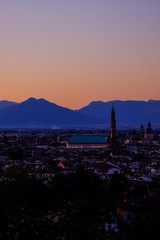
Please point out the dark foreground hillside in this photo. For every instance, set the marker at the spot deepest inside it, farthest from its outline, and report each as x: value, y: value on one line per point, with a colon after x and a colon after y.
x: 78, y: 206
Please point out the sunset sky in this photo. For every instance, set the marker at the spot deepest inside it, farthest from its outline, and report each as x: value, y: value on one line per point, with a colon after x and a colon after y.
x: 72, y: 52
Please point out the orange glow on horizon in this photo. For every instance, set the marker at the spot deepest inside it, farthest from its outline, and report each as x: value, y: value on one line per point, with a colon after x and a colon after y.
x: 74, y: 54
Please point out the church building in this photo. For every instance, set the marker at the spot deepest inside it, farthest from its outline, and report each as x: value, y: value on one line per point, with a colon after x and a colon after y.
x: 149, y: 132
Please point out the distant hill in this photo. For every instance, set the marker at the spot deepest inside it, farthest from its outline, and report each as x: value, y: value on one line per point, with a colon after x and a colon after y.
x: 128, y: 113
x: 39, y: 113
x: 4, y: 104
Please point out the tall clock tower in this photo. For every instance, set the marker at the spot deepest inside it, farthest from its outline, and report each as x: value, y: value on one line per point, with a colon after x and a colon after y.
x: 113, y: 128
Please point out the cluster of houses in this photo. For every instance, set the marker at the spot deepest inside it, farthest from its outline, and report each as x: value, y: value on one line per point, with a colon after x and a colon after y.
x: 42, y: 155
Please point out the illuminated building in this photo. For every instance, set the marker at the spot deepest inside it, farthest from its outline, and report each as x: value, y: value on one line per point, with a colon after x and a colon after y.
x: 87, y: 141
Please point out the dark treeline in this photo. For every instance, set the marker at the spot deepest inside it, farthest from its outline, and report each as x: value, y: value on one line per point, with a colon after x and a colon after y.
x: 75, y: 206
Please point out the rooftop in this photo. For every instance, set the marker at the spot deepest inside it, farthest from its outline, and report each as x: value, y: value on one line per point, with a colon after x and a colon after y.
x: 88, y: 139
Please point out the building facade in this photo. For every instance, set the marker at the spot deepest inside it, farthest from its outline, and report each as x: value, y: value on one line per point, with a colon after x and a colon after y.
x: 87, y: 141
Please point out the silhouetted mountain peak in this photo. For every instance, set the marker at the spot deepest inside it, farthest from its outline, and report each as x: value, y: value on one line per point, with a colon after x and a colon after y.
x: 42, y: 113
x: 30, y: 100
x: 153, y: 101
x: 96, y: 102
x: 93, y: 104
x: 5, y: 104
x: 128, y: 113
x: 33, y: 100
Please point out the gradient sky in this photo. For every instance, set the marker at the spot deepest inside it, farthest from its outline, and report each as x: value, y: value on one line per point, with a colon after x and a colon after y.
x: 72, y: 52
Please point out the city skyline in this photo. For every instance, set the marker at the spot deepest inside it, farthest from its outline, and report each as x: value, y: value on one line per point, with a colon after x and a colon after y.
x: 76, y: 52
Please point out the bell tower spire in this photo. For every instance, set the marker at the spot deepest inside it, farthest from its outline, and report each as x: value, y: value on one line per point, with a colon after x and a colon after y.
x: 113, y: 127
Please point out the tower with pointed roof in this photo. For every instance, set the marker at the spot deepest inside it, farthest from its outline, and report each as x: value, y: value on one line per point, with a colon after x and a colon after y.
x: 113, y: 128
x: 142, y: 132
x: 149, y: 132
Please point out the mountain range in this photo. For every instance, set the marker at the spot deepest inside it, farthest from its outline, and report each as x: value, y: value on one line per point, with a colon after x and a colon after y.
x: 39, y: 113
